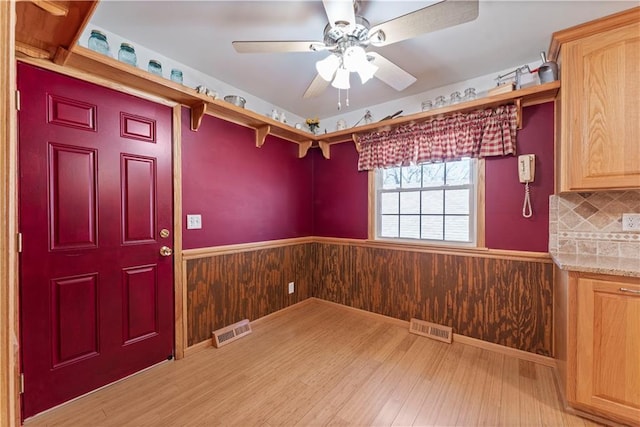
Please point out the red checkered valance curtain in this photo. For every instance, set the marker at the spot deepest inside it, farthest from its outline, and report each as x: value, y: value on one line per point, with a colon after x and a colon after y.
x: 481, y: 133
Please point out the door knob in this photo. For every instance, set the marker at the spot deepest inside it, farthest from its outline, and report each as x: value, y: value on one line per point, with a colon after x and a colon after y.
x: 165, y: 251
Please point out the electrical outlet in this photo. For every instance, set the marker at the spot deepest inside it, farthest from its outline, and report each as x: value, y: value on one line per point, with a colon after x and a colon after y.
x: 194, y: 222
x: 292, y: 287
x: 630, y: 222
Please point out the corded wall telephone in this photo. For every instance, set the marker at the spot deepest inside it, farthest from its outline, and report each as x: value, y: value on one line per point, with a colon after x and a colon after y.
x: 526, y: 174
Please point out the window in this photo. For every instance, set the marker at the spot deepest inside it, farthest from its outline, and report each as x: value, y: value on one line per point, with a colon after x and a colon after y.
x: 430, y: 202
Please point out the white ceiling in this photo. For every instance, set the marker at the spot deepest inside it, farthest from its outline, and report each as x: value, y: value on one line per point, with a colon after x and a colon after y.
x: 199, y: 34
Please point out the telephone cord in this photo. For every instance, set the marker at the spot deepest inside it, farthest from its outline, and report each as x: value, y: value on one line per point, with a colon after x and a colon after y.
x: 526, y: 207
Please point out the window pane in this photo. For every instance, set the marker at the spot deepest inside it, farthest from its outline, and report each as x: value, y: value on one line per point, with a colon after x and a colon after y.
x: 410, y: 226
x: 433, y: 174
x: 391, y: 178
x: 432, y: 227
x: 389, y: 226
x: 459, y: 172
x: 411, y: 176
x: 456, y: 202
x: 410, y: 202
x: 456, y: 228
x: 432, y: 202
x: 389, y: 203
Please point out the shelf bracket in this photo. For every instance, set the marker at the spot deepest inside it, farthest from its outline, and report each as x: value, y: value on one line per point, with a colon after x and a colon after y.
x: 518, y: 113
x: 197, y: 113
x: 54, y: 8
x: 325, y: 148
x: 61, y: 56
x: 31, y: 51
x: 356, y: 141
x: 261, y: 134
x: 303, y: 148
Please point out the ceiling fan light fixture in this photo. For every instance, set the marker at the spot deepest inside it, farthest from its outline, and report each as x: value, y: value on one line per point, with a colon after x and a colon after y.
x: 367, y: 71
x: 354, y: 58
x: 341, y: 80
x: 327, y: 67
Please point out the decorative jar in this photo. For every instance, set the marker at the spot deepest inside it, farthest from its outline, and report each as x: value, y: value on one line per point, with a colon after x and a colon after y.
x: 176, y: 75
x: 427, y: 105
x: 455, y: 98
x: 155, y: 67
x: 469, y: 94
x: 98, y: 42
x: 127, y: 54
x: 440, y: 102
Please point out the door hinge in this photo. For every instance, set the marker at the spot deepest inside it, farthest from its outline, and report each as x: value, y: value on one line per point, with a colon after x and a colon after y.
x: 18, y: 100
x: 21, y: 383
x: 19, y: 243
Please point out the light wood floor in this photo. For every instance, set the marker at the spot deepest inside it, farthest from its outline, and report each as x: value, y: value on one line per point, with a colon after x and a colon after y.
x: 318, y: 363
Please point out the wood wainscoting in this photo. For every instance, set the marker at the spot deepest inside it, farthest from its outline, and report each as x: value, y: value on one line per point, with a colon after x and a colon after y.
x: 227, y: 284
x: 500, y: 297
x: 505, y: 300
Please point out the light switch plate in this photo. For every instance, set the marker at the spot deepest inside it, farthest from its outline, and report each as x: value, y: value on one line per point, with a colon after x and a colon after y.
x: 194, y: 222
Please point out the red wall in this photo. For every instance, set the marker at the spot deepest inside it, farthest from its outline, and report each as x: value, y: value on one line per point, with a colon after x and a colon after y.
x: 505, y: 227
x: 340, y: 194
x: 244, y: 194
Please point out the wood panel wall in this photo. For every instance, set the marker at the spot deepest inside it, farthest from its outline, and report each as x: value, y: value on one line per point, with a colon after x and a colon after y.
x: 503, y: 301
x: 499, y: 300
x: 223, y: 289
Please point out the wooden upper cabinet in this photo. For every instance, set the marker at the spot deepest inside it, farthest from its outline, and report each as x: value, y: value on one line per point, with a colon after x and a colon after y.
x: 600, y: 110
x: 605, y: 357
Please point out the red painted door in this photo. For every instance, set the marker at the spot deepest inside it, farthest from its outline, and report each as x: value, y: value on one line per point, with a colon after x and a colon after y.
x: 95, y: 193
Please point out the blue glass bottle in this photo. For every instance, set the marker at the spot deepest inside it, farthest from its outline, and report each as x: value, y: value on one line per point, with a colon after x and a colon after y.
x: 98, y: 42
x: 176, y: 76
x: 127, y: 54
x: 155, y: 67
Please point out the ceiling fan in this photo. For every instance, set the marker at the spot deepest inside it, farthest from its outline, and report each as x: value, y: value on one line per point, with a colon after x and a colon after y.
x: 348, y: 35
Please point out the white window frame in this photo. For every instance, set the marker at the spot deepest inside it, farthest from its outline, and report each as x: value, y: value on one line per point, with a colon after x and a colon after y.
x: 474, y: 206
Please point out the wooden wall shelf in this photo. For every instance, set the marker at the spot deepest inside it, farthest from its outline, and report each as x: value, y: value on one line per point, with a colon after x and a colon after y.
x: 127, y: 75
x: 43, y: 26
x: 108, y: 68
x: 62, y: 49
x: 528, y: 96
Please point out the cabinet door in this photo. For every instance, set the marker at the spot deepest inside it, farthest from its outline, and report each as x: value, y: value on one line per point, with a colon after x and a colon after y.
x: 607, y: 358
x: 600, y: 111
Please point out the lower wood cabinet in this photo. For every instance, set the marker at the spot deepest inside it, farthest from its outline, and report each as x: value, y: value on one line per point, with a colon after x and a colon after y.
x: 603, y: 352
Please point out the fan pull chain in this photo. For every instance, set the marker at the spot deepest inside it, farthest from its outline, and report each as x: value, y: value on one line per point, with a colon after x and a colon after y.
x: 339, y: 104
x: 347, y: 100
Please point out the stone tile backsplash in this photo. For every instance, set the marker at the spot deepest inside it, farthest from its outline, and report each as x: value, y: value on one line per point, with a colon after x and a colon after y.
x: 591, y: 224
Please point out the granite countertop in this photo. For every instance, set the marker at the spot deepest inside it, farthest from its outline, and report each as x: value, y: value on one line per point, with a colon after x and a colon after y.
x: 629, y: 267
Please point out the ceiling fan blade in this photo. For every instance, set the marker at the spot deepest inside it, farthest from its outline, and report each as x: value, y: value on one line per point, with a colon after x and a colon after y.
x: 431, y: 18
x: 277, y: 46
x: 317, y: 86
x: 339, y: 10
x: 390, y: 73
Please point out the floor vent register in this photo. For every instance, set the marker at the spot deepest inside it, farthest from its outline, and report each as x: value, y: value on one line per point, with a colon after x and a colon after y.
x: 431, y: 330
x: 228, y: 334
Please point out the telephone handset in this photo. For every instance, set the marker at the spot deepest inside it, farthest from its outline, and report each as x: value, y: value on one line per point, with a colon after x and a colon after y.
x: 527, y: 167
x: 526, y: 174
